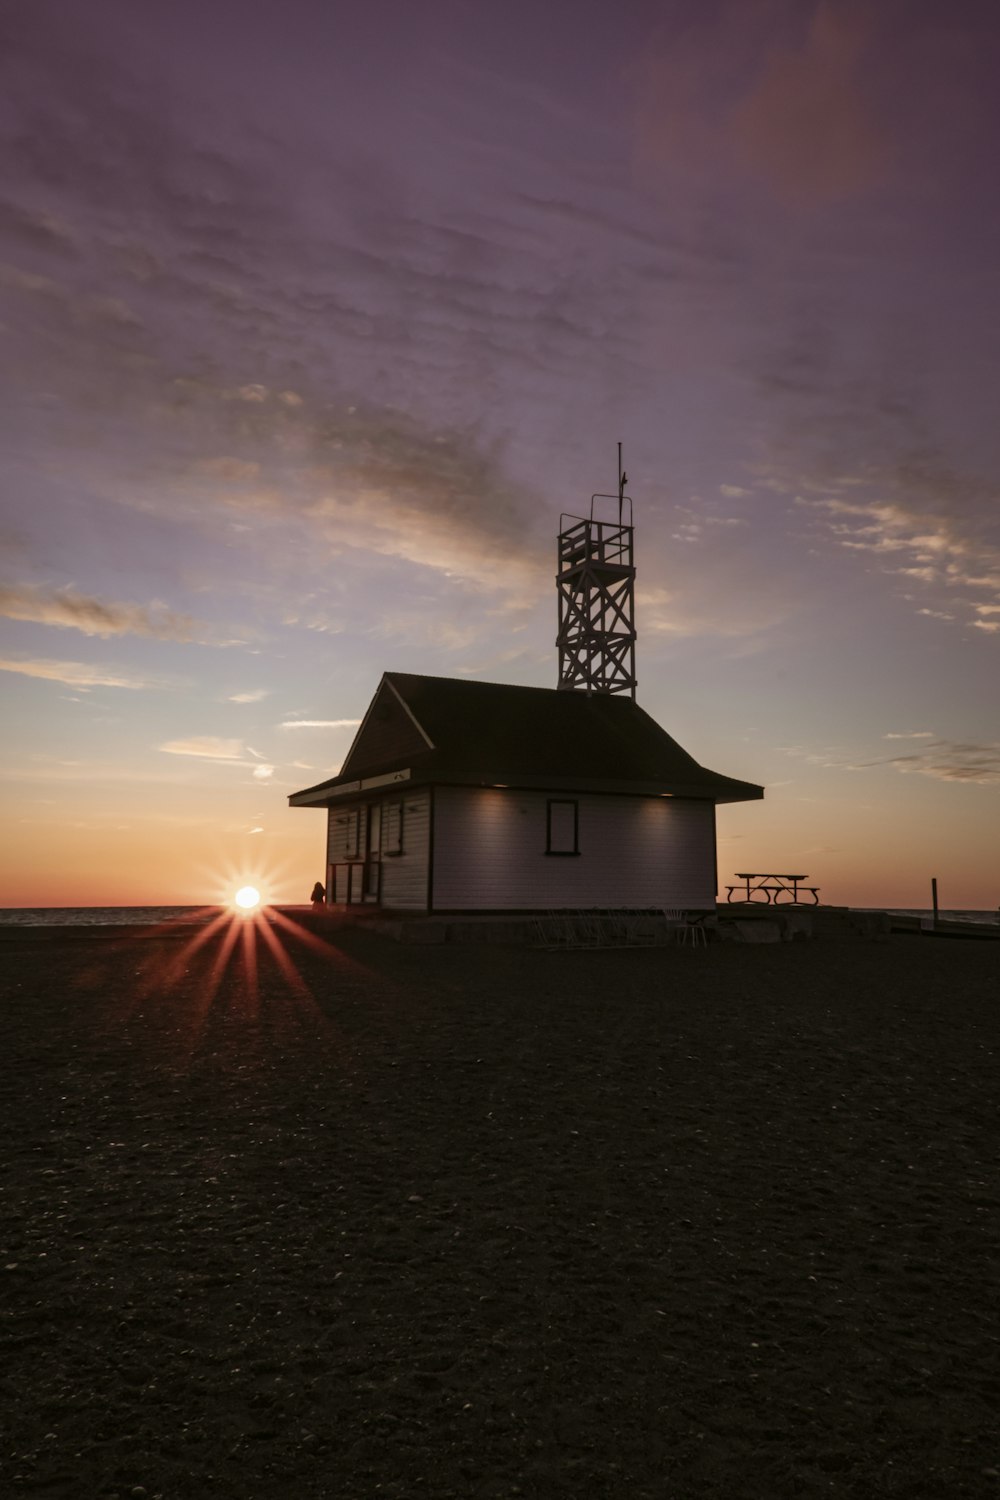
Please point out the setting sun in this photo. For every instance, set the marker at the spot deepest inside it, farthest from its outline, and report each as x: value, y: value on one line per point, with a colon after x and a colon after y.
x: 247, y: 897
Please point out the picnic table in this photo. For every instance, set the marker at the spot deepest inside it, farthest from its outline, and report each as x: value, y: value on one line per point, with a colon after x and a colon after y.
x: 776, y: 890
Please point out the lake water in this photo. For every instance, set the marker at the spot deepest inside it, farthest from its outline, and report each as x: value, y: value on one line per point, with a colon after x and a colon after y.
x: 102, y: 916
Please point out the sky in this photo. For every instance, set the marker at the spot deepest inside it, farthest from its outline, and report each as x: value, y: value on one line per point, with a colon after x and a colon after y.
x: 315, y: 317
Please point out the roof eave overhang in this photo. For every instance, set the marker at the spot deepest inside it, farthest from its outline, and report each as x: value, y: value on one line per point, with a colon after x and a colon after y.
x: 711, y: 790
x: 746, y: 792
x: 335, y: 791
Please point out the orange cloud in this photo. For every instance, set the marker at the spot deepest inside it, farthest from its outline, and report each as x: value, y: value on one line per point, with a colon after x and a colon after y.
x: 806, y: 124
x: 773, y: 90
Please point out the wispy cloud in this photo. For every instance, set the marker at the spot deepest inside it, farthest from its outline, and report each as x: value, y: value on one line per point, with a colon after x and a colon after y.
x: 250, y: 697
x: 206, y: 747
x: 949, y: 546
x: 946, y: 760
x: 828, y: 759
x: 223, y: 751
x: 359, y: 480
x: 34, y: 231
x: 68, y: 610
x: 319, y: 724
x: 84, y: 307
x: 951, y: 760
x: 79, y: 674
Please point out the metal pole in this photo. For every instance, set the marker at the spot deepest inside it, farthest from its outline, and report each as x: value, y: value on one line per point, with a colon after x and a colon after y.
x: 934, y: 899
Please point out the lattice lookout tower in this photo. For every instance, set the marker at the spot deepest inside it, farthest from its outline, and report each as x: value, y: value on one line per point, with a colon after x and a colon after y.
x: 596, y: 584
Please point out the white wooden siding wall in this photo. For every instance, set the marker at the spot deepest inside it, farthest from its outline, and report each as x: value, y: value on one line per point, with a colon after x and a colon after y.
x: 337, y: 834
x: 404, y: 876
x: 489, y: 852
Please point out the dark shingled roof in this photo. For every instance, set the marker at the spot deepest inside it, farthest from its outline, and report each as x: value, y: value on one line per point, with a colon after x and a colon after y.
x: 488, y: 732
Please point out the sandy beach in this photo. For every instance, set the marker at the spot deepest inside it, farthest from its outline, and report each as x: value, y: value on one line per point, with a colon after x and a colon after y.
x: 489, y: 1222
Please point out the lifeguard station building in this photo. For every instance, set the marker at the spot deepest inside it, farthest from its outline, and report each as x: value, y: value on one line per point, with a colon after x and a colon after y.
x: 461, y: 796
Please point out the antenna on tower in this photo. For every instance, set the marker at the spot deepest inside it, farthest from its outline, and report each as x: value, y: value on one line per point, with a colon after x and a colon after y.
x: 622, y: 482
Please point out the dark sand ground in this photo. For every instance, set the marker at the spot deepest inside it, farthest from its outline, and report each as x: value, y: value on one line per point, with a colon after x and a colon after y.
x: 487, y: 1222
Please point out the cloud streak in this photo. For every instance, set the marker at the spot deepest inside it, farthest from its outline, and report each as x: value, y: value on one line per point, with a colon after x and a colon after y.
x: 68, y: 610
x: 221, y: 751
x: 952, y: 760
x: 319, y: 724
x: 79, y: 674
x: 206, y: 747
x: 943, y: 759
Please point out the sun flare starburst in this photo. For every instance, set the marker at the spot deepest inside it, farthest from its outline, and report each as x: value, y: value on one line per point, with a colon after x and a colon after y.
x: 247, y: 897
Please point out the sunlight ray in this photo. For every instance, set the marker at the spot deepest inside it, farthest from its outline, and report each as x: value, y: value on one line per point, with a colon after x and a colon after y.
x: 249, y: 935
x: 317, y: 944
x: 284, y: 961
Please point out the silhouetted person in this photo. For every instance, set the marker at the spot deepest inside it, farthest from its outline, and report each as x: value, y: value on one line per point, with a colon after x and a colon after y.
x: 318, y: 897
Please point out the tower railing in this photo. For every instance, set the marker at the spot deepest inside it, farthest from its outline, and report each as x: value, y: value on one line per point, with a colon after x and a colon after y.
x: 599, y: 543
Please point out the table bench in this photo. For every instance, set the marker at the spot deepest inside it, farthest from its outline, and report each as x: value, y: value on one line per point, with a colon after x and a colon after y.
x: 773, y: 890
